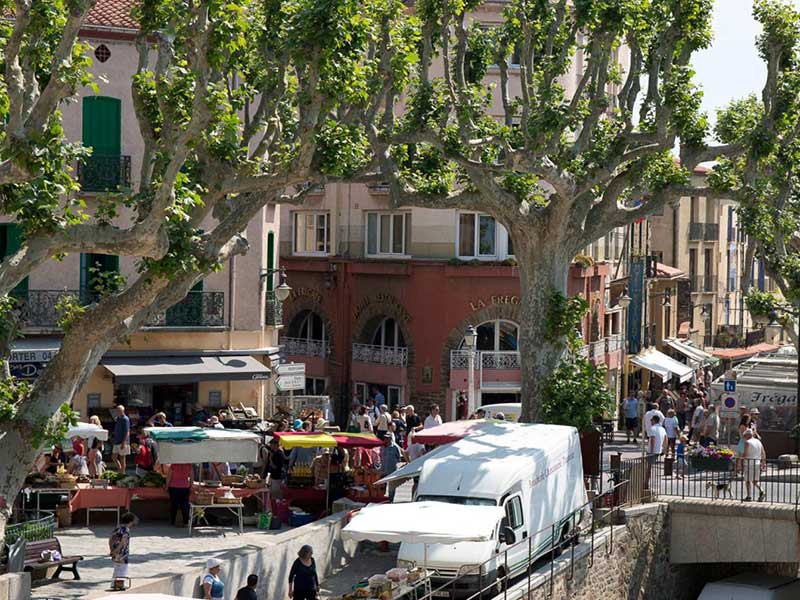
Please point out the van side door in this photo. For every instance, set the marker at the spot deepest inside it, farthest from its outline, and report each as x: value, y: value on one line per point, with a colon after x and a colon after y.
x: 515, y: 520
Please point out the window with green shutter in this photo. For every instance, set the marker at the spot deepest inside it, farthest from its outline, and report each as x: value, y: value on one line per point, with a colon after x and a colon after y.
x: 10, y: 241
x: 92, y: 265
x: 105, y: 169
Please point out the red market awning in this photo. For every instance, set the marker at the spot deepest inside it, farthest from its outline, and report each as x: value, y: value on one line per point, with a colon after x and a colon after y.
x: 447, y: 433
x: 741, y: 353
x: 356, y: 440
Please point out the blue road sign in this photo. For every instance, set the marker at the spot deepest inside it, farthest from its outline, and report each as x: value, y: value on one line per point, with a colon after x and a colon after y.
x: 730, y: 385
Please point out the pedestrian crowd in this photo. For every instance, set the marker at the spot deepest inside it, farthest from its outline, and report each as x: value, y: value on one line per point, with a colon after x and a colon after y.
x: 677, y: 423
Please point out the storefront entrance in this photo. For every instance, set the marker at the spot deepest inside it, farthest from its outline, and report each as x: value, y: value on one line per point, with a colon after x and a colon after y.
x: 177, y: 401
x: 392, y: 393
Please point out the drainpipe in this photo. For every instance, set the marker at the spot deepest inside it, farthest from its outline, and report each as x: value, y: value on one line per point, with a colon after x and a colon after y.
x: 231, y: 311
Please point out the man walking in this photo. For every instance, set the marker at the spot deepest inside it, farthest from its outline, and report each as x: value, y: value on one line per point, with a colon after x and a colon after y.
x: 630, y: 408
x: 390, y: 456
x: 433, y: 419
x: 248, y: 592
x: 752, y: 463
x: 122, y: 439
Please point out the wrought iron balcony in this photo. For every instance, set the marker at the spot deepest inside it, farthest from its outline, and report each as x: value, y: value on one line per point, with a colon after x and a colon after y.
x: 712, y: 232
x: 274, y: 315
x: 696, y: 231
x: 305, y: 347
x: 380, y: 355
x: 490, y: 361
x: 105, y: 173
x: 38, y: 307
x: 197, y: 309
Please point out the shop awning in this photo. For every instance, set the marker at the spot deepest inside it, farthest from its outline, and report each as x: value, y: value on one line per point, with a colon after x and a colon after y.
x: 452, y: 431
x: 356, y: 440
x: 663, y: 365
x: 184, y: 369
x: 206, y: 445
x: 303, y: 439
x: 424, y: 523
x: 692, y: 353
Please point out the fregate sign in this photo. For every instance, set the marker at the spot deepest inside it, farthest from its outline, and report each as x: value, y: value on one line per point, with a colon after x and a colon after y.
x: 494, y: 301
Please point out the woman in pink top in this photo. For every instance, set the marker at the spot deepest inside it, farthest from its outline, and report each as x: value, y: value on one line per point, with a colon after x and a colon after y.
x: 179, y: 485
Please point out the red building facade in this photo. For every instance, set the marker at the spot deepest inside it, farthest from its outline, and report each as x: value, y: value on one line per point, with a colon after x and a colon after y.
x: 398, y: 326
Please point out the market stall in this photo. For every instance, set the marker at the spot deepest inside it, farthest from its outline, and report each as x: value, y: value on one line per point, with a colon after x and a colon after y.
x: 423, y: 523
x: 317, y: 478
x: 87, y: 431
x: 449, y: 432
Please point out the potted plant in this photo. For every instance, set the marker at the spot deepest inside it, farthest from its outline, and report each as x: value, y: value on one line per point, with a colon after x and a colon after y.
x: 712, y: 458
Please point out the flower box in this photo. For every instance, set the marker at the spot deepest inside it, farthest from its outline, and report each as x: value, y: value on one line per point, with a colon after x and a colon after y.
x: 704, y: 463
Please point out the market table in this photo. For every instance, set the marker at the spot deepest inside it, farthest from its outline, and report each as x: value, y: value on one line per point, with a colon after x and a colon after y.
x: 39, y: 492
x: 236, y: 509
x: 99, y: 499
x: 148, y: 493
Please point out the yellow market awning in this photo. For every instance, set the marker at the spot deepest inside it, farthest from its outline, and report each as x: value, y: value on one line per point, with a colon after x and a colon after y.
x: 292, y: 439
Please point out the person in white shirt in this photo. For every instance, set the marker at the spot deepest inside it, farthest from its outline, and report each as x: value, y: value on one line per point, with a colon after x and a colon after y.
x: 433, y: 419
x: 697, y: 420
x: 672, y: 427
x: 752, y: 463
x: 382, y: 422
x: 648, y: 417
x: 656, y: 443
x: 364, y: 420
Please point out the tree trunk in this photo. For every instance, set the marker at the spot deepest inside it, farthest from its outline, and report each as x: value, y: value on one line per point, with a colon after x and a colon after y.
x: 543, y: 269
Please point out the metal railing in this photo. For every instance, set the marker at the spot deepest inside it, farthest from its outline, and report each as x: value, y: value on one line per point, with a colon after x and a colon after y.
x: 597, y: 351
x: 33, y: 530
x: 38, y: 307
x: 484, y: 359
x: 380, y: 355
x: 696, y: 231
x: 274, y: 311
x: 197, y: 309
x: 770, y: 481
x: 711, y: 232
x: 105, y: 172
x: 305, y: 347
x: 493, y: 577
x: 614, y: 343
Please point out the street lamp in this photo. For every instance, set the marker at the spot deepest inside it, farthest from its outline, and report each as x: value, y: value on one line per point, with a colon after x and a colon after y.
x: 624, y: 301
x: 283, y: 290
x: 470, y: 337
x: 773, y: 328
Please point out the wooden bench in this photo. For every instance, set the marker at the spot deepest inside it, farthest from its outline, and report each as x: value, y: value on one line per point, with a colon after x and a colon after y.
x: 33, y: 558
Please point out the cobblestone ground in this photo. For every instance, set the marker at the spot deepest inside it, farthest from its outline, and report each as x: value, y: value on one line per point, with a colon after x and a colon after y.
x: 156, y: 551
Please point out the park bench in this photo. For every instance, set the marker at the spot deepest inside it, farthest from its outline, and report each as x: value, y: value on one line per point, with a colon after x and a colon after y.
x: 33, y: 558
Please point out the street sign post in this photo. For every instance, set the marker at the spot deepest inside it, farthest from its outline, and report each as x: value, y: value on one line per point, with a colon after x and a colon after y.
x: 728, y: 405
x: 730, y: 385
x: 291, y: 369
x: 291, y: 376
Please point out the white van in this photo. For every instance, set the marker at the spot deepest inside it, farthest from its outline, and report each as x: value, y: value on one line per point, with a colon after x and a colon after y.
x: 752, y: 586
x: 533, y: 471
x: 511, y: 410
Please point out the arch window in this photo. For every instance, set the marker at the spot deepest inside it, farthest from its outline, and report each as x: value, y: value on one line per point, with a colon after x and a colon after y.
x: 308, y: 325
x: 497, y: 336
x: 388, y: 334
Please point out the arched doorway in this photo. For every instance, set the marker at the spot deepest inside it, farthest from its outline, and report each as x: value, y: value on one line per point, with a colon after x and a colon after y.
x: 307, y: 340
x: 380, y: 359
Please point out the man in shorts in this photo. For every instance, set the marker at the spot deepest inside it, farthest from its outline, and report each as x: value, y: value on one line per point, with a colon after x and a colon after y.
x: 752, y: 463
x: 122, y: 439
x: 630, y: 408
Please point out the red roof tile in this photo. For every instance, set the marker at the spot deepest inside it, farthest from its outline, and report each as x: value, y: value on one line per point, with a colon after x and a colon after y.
x: 111, y: 13
x: 736, y: 353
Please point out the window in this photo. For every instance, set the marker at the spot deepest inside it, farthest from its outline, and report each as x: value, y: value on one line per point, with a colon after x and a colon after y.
x: 514, y: 513
x: 388, y: 335
x: 497, y: 336
x: 394, y: 396
x: 92, y: 267
x: 311, y: 233
x: 105, y: 169
x: 480, y: 236
x: 309, y: 327
x: 315, y: 386
x: 360, y: 391
x: 388, y: 234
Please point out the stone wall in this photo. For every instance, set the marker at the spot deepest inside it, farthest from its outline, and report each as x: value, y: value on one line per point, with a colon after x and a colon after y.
x: 15, y: 586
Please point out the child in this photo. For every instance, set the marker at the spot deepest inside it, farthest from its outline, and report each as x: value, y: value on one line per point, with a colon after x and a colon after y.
x: 119, y: 545
x: 680, y: 455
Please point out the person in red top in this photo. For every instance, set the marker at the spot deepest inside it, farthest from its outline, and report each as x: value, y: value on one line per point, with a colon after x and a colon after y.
x: 77, y: 446
x: 179, y: 485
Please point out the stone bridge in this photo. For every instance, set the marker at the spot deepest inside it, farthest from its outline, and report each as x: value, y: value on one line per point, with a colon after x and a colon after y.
x: 727, y: 531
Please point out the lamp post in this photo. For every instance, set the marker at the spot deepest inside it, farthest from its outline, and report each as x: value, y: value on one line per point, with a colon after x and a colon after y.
x: 470, y: 337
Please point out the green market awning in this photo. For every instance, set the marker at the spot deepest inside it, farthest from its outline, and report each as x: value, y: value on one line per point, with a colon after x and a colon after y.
x: 184, y: 369
x: 692, y: 352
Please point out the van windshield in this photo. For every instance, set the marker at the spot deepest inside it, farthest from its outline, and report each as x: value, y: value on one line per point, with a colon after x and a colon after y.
x: 458, y: 500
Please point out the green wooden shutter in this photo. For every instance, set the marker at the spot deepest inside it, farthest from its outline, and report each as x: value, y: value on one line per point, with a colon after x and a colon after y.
x: 12, y: 240
x: 106, y: 263
x: 102, y: 125
x: 270, y: 260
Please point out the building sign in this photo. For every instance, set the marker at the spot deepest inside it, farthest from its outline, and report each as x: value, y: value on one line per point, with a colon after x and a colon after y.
x: 304, y: 292
x: 29, y: 364
x: 493, y: 301
x: 636, y: 292
x: 382, y: 298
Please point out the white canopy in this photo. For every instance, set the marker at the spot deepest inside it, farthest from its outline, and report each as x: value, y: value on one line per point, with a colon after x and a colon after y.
x: 692, y: 353
x: 661, y: 364
x: 87, y: 430
x: 144, y: 597
x: 220, y: 445
x: 424, y: 523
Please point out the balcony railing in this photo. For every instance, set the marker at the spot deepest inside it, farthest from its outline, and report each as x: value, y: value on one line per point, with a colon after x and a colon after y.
x: 696, y: 231
x: 380, y: 355
x: 105, y: 173
x: 703, y: 285
x: 499, y: 360
x: 613, y: 343
x: 274, y: 314
x: 712, y: 232
x: 305, y: 347
x: 597, y: 351
x: 197, y: 309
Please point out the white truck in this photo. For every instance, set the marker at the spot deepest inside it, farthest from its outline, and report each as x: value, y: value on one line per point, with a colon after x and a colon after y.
x: 533, y: 471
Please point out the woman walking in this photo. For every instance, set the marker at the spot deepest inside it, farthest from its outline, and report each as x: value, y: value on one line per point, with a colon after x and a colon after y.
x: 303, y: 580
x: 213, y: 586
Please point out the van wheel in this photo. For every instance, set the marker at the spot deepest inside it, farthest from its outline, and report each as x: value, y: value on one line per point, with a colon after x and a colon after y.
x: 499, y: 582
x: 564, y: 541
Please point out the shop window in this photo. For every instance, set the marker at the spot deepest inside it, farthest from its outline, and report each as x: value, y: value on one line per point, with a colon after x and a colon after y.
x: 480, y: 236
x: 388, y: 334
x: 388, y: 234
x: 311, y: 233
x: 315, y: 386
